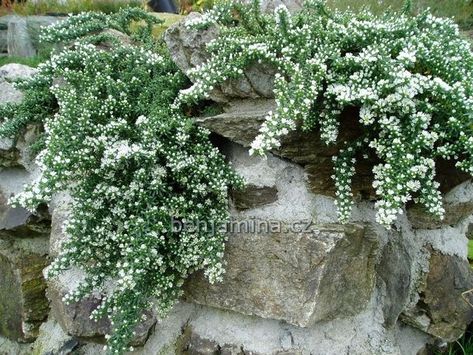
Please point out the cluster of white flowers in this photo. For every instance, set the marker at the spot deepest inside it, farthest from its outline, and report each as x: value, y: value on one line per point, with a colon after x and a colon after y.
x: 411, y: 77
x: 132, y: 165
x: 92, y: 23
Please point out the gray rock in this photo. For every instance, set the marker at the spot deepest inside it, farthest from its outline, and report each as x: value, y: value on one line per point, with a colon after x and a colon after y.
x: 9, y: 95
x: 394, y: 271
x: 458, y: 205
x: 53, y: 340
x: 60, y: 209
x: 3, y: 41
x: 8, y: 74
x: 296, y: 277
x: 188, y: 50
x: 191, y: 343
x: 441, y: 310
x: 242, y: 120
x: 252, y: 196
x: 23, y: 304
x: 23, y: 33
x: 469, y: 231
x: 14, y: 71
x: 74, y: 318
x: 9, y: 347
x: 18, y: 222
x: 454, y: 213
x: 19, y: 41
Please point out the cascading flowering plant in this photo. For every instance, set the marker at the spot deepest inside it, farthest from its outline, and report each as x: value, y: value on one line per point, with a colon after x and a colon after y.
x: 411, y: 78
x: 131, y: 163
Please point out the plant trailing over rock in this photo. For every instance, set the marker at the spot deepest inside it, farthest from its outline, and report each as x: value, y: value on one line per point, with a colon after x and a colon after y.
x: 131, y: 163
x: 411, y: 77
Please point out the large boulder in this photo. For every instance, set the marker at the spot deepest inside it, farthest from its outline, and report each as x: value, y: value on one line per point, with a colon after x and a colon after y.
x: 322, y: 273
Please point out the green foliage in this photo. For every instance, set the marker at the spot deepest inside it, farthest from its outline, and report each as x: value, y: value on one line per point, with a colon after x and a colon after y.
x: 92, y: 23
x: 411, y: 77
x: 463, y: 346
x: 64, y: 7
x: 29, y: 61
x: 460, y: 10
x: 132, y: 163
x: 188, y: 6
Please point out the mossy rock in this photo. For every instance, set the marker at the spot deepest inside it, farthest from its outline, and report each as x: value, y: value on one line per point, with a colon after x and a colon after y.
x: 23, y: 304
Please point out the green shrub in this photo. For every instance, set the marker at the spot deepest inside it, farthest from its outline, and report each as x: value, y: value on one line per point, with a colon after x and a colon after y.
x: 410, y: 77
x: 131, y: 162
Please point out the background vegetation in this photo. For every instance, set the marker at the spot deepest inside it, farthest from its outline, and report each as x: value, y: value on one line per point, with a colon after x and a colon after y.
x: 461, y: 10
x: 47, y: 7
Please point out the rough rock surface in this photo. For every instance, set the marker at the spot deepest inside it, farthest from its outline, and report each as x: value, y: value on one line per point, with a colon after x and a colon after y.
x: 188, y: 50
x: 458, y: 205
x: 242, y: 119
x: 23, y: 305
x: 75, y: 319
x: 15, y: 153
x: 252, y: 196
x: 394, y: 271
x: 53, y: 340
x: 23, y: 33
x: 23, y: 254
x: 441, y: 310
x: 293, y: 276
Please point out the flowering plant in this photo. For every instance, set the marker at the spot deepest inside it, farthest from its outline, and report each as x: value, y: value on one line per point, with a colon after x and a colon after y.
x: 132, y: 163
x: 411, y: 78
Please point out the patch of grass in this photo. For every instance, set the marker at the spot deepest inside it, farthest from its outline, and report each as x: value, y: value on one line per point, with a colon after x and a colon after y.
x: 32, y: 61
x: 460, y: 10
x: 463, y: 346
x: 46, y: 7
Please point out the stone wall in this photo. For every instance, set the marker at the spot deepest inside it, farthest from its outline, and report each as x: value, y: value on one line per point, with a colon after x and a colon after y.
x: 291, y: 287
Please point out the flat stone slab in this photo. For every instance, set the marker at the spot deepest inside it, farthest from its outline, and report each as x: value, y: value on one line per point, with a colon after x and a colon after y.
x: 301, y: 278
